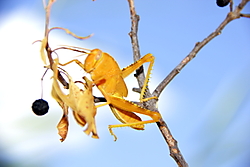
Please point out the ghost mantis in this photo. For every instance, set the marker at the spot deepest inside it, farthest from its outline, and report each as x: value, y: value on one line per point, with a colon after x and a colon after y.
x: 80, y: 101
x: 109, y: 79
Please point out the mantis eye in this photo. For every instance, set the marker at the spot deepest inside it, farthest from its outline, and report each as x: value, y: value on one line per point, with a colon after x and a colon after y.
x: 222, y: 3
x: 97, y: 53
x: 40, y: 107
x: 98, y: 57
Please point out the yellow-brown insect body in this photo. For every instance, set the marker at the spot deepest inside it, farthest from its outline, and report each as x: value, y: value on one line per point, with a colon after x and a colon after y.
x: 111, y: 80
x: 110, y: 83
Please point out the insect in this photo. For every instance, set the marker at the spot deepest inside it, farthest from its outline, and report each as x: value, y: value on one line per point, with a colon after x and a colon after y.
x: 109, y: 79
x: 80, y: 101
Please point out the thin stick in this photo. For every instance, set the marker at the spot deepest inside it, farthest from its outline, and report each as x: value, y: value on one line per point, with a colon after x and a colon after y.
x: 42, y: 83
x: 172, y: 143
x: 49, y: 51
x: 135, y: 43
x: 199, y: 45
x: 47, y: 48
x: 245, y: 15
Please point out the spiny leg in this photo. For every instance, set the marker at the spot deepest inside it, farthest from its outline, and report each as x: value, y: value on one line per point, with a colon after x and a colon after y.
x: 104, y: 104
x: 126, y: 105
x: 128, y: 124
x: 128, y: 70
x: 126, y: 117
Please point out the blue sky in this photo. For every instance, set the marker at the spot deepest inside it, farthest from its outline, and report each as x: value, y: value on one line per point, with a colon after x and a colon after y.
x: 206, y: 106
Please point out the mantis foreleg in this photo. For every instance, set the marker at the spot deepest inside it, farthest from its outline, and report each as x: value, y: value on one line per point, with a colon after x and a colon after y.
x: 128, y: 70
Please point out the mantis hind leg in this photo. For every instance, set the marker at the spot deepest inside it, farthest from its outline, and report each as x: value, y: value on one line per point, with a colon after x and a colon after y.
x: 122, y: 104
x: 128, y: 124
x: 127, y: 117
x: 128, y: 70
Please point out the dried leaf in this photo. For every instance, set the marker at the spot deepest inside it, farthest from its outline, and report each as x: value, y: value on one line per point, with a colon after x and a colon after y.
x: 63, y: 124
x: 86, y: 108
x: 81, y: 102
x: 43, y: 50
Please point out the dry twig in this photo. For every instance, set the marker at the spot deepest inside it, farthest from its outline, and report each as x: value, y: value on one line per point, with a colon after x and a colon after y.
x: 199, y: 45
x: 47, y: 47
x: 172, y: 143
x: 49, y: 51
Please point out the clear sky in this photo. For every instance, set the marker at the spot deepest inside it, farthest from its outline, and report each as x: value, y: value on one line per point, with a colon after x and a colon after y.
x: 206, y: 106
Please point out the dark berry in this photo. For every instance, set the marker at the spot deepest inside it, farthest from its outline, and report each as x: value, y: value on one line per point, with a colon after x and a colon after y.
x: 222, y: 3
x: 40, y: 107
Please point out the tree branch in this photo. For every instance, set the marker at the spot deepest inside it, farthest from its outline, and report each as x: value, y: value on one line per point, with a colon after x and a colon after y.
x: 46, y: 44
x: 172, y: 143
x: 199, y: 45
x: 135, y: 43
x: 245, y: 15
x: 49, y: 51
x: 175, y: 152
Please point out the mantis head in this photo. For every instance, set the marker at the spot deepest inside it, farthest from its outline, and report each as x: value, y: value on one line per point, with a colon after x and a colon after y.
x: 92, y: 60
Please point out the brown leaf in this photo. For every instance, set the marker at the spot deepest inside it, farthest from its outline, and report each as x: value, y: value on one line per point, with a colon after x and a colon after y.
x: 80, y: 101
x: 63, y: 125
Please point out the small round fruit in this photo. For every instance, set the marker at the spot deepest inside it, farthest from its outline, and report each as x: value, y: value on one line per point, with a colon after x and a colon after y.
x: 40, y: 107
x: 222, y: 3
